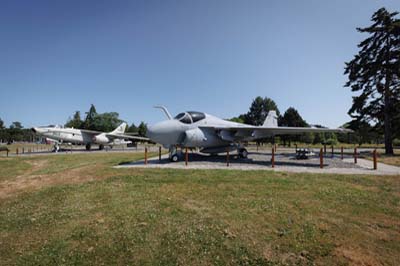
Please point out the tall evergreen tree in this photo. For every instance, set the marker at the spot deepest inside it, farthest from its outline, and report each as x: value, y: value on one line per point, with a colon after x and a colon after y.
x: 259, y: 109
x: 292, y: 118
x: 90, y: 117
x: 142, y: 129
x: 76, y: 121
x: 2, y: 124
x: 375, y: 73
x: 132, y: 128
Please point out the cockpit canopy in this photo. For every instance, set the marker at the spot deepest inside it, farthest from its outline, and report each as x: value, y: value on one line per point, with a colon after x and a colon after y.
x: 190, y: 117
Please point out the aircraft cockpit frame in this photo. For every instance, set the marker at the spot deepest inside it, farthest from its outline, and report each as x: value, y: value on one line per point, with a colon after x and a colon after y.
x: 190, y: 117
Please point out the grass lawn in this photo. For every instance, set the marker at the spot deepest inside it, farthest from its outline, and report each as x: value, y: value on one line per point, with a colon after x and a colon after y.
x: 74, y: 209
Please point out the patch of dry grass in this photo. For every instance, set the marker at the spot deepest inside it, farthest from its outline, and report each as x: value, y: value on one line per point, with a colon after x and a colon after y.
x: 97, y: 215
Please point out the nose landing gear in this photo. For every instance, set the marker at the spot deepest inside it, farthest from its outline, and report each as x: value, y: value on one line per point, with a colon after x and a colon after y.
x: 174, y: 155
x: 243, y: 153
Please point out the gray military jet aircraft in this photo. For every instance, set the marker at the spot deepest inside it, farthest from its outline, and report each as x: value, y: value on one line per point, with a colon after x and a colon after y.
x: 84, y: 136
x: 214, y: 135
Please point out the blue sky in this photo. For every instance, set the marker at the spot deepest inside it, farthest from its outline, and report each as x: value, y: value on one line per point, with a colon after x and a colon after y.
x: 214, y: 56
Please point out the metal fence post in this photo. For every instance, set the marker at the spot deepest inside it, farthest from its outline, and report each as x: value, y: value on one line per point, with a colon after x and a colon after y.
x: 355, y: 155
x: 186, y: 156
x: 145, y: 155
x: 321, y: 159
x: 273, y: 158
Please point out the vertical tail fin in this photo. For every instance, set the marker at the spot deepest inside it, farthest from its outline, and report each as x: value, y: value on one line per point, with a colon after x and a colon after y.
x: 271, y: 120
x: 120, y: 129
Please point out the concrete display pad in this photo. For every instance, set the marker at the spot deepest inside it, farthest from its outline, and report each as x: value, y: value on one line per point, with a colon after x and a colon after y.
x: 262, y: 161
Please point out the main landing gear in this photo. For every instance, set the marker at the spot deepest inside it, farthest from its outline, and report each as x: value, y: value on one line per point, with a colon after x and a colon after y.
x: 56, y: 147
x: 88, y: 147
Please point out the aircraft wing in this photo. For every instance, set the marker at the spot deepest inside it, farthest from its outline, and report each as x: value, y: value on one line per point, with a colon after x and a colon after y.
x: 124, y: 136
x: 259, y: 132
x: 90, y: 132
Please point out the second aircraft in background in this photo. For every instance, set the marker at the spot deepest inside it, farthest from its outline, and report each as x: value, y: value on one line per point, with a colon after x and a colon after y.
x: 62, y: 135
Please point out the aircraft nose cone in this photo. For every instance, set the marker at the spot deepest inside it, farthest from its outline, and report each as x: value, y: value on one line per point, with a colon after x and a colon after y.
x: 33, y: 130
x: 149, y: 133
x: 165, y: 132
x: 152, y: 132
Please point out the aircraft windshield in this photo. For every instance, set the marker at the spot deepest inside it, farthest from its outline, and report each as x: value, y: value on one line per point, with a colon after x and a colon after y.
x: 197, y: 116
x: 190, y: 117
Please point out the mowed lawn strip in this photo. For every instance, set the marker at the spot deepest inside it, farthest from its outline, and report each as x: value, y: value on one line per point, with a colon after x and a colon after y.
x: 197, y: 217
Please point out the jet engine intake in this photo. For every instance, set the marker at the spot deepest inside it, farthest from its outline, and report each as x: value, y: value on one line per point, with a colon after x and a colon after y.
x: 194, y: 138
x: 100, y: 139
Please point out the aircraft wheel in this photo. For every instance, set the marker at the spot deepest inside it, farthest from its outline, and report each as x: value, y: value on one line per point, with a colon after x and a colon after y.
x: 174, y: 158
x: 243, y: 153
x: 101, y: 147
x: 88, y: 147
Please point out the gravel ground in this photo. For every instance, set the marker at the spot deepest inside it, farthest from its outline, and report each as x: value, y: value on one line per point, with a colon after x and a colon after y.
x: 284, y: 161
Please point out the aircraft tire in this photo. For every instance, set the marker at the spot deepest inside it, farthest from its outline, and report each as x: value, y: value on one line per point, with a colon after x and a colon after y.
x: 101, y: 147
x: 243, y: 153
x: 174, y: 157
x: 88, y: 147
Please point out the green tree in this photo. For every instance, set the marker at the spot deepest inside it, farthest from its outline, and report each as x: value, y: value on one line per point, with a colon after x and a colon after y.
x: 15, y: 131
x: 76, y: 121
x: 132, y: 128
x: 142, y: 129
x: 106, y: 121
x: 292, y: 118
x: 363, y: 132
x: 259, y: 110
x: 3, y: 132
x: 319, y: 138
x: 90, y: 117
x: 375, y: 74
x: 16, y: 125
x: 237, y: 119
